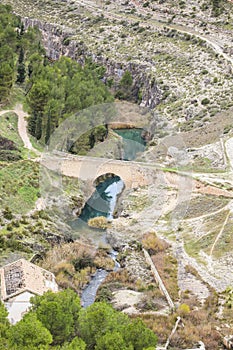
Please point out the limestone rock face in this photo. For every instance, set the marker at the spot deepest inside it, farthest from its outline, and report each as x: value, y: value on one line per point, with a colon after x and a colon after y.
x: 57, y: 41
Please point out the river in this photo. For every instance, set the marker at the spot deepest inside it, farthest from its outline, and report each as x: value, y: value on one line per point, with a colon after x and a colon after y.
x: 102, y: 203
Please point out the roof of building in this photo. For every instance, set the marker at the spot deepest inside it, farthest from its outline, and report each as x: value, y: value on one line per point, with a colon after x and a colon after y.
x: 21, y: 276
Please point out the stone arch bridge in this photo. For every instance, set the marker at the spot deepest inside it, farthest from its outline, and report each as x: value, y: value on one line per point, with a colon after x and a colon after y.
x: 133, y: 174
x: 88, y: 169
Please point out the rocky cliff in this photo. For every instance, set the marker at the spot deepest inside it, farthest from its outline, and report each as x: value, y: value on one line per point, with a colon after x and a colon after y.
x: 57, y: 41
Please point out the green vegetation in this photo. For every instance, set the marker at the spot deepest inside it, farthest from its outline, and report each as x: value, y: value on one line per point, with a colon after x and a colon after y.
x: 56, y: 321
x: 11, y: 144
x: 59, y: 90
x: 19, y: 184
x: 74, y: 263
x: 58, y: 312
x: 29, y: 333
x: 8, y: 51
x: 17, y: 46
x: 125, y: 84
x: 181, y: 79
x: 54, y: 90
x: 26, y: 235
x: 8, y: 127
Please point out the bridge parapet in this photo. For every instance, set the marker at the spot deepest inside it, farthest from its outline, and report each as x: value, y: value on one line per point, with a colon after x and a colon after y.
x: 89, y: 168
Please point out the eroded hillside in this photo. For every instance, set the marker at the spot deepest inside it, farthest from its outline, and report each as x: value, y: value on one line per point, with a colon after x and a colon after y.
x: 182, y: 64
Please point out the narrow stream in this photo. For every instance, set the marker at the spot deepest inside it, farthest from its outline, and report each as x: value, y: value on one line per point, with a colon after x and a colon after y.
x: 89, y: 293
x: 102, y: 203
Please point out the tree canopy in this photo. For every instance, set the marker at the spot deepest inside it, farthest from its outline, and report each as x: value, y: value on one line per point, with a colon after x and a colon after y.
x: 54, y: 90
x: 29, y: 334
x: 59, y: 90
x: 58, y: 312
x: 57, y: 321
x: 16, y: 48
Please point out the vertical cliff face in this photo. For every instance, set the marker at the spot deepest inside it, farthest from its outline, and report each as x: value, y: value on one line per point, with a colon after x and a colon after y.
x: 58, y: 42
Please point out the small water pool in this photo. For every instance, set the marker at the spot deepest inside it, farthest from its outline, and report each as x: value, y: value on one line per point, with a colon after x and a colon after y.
x: 133, y: 143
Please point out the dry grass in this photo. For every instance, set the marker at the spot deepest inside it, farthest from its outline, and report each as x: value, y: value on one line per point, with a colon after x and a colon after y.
x: 167, y: 269
x: 74, y: 263
x: 209, y: 133
x: 154, y: 244
x: 99, y: 222
x: 66, y: 253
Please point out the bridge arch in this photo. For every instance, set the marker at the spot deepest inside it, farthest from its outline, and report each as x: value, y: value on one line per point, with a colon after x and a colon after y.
x: 89, y: 169
x: 106, y: 176
x: 131, y: 174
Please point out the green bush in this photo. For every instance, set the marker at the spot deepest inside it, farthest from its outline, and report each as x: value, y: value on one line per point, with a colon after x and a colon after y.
x: 205, y: 101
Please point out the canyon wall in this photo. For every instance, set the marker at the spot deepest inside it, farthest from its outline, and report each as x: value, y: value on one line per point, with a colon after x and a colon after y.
x: 58, y: 41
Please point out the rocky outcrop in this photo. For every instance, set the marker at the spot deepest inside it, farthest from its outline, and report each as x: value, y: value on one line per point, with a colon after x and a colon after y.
x: 58, y: 41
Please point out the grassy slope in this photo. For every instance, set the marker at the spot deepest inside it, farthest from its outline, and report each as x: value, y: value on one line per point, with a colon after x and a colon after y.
x: 19, y: 186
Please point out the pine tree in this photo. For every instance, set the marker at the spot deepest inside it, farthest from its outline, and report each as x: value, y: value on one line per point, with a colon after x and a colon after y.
x: 21, y: 56
x: 38, y: 131
x: 22, y: 30
x: 21, y: 67
x: 21, y: 73
x: 48, y: 130
x: 32, y: 124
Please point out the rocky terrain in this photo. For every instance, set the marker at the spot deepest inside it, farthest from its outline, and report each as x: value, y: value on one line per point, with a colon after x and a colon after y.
x: 180, y: 57
x: 186, y: 71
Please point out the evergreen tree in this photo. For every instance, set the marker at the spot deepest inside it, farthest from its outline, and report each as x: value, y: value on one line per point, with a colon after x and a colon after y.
x: 21, y: 56
x: 38, y: 130
x: 48, y: 130
x: 58, y: 312
x: 112, y: 341
x: 22, y: 30
x: 125, y: 86
x: 21, y: 67
x: 126, y: 80
x: 98, y: 320
x: 21, y: 73
x: 137, y: 334
x: 32, y: 124
x: 4, y: 327
x: 29, y: 334
x: 76, y: 344
x: 4, y: 322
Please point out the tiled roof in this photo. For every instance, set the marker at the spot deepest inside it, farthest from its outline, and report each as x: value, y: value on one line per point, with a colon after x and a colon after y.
x: 21, y: 276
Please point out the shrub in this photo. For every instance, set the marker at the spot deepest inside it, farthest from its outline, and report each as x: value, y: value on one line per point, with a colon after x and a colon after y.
x: 183, y: 310
x: 205, y: 101
x: 7, y: 213
x: 153, y: 244
x: 104, y: 294
x: 99, y: 222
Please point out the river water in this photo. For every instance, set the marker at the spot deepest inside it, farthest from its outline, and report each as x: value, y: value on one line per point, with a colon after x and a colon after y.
x: 133, y: 143
x: 102, y: 203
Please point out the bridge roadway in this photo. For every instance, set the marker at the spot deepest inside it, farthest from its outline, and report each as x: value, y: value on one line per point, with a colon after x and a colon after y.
x: 136, y: 174
x: 133, y: 174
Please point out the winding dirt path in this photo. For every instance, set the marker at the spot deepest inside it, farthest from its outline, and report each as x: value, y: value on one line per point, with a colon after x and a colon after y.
x: 22, y: 126
x: 154, y: 22
x: 220, y: 233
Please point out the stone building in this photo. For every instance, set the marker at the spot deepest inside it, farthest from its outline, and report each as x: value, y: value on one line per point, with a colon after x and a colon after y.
x: 20, y: 281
